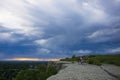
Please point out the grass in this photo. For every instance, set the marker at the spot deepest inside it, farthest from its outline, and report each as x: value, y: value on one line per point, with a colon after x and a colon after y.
x: 104, y: 59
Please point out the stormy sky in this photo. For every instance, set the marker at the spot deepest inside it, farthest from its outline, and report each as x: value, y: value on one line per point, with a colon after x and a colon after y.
x: 58, y: 28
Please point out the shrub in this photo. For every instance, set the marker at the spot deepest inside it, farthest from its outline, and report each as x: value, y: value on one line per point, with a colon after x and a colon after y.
x: 51, y: 70
x: 90, y: 61
x: 97, y: 62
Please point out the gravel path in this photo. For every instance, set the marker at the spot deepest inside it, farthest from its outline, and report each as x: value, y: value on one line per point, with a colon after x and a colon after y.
x: 82, y: 72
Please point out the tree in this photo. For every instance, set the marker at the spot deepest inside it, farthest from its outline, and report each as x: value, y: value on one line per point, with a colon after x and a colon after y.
x: 1, y: 78
x: 73, y: 56
x: 27, y: 75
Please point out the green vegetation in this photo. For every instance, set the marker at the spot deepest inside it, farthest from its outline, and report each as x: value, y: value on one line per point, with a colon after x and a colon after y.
x: 98, y: 59
x: 104, y: 59
x: 41, y: 73
x: 27, y: 70
x: 72, y: 59
x: 94, y: 61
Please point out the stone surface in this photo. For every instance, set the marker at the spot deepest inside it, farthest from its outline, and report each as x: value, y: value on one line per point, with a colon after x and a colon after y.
x: 112, y: 69
x: 82, y: 72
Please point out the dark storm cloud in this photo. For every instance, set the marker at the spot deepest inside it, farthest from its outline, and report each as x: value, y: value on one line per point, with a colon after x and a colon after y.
x: 112, y: 7
x: 55, y: 28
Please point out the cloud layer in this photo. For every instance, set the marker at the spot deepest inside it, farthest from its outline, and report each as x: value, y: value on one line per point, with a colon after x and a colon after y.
x: 55, y: 28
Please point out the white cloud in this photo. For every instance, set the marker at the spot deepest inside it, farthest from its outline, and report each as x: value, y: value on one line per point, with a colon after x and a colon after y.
x: 56, y: 24
x: 117, y: 2
x: 17, y: 15
x: 22, y: 16
x: 114, y: 50
x: 47, y: 43
x: 14, y: 16
x: 93, y: 12
x: 48, y: 7
x: 83, y: 51
x: 7, y: 37
x: 96, y: 34
x: 103, y: 35
x: 44, y: 51
x: 90, y: 11
x: 41, y: 42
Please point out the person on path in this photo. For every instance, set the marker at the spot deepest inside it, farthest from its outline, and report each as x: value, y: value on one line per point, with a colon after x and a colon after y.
x: 81, y: 60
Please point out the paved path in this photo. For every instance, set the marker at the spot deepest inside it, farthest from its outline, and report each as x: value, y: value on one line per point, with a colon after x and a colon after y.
x: 82, y: 72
